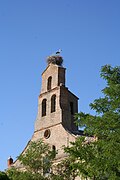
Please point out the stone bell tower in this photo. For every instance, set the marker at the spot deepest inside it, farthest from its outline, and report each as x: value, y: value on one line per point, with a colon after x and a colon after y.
x: 55, y: 122
x: 56, y: 104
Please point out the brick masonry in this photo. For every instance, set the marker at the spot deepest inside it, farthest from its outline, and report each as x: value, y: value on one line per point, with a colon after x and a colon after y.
x: 60, y: 124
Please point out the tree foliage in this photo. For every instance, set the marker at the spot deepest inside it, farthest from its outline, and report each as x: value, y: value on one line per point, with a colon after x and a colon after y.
x: 36, y: 162
x: 97, y: 156
x: 63, y: 170
x: 3, y: 176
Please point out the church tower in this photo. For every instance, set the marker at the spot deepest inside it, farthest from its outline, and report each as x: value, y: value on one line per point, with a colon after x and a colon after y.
x: 55, y: 123
x: 56, y: 104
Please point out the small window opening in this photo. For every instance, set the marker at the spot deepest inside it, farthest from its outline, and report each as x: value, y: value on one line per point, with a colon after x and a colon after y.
x: 44, y: 107
x: 53, y: 148
x: 71, y: 108
x: 53, y: 103
x: 47, y: 133
x: 49, y: 83
x: 54, y: 151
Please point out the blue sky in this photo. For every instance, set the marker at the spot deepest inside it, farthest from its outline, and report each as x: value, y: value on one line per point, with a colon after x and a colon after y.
x: 87, y: 31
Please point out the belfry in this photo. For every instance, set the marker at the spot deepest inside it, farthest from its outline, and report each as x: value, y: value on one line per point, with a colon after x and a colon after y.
x: 55, y: 122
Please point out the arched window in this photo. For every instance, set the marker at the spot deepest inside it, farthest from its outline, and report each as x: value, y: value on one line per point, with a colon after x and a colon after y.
x: 53, y: 103
x: 54, y: 151
x: 44, y: 107
x: 49, y: 83
x: 53, y: 148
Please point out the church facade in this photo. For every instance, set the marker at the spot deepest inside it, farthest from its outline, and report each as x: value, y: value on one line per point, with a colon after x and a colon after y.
x: 55, y: 122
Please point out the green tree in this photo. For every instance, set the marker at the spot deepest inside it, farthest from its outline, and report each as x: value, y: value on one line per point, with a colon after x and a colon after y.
x: 36, y: 160
x: 97, y: 154
x: 63, y: 170
x: 3, y: 176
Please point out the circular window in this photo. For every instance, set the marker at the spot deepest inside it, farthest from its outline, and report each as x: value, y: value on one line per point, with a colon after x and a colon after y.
x: 47, y: 133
